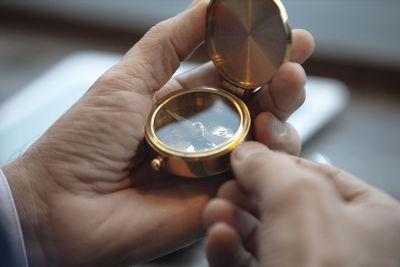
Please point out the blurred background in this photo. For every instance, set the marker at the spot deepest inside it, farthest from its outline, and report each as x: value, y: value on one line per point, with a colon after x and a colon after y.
x: 357, y: 42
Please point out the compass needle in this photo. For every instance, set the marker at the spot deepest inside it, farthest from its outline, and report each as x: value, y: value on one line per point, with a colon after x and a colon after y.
x: 179, y: 118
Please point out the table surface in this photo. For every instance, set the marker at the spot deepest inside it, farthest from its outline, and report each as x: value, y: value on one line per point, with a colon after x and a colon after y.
x: 362, y: 140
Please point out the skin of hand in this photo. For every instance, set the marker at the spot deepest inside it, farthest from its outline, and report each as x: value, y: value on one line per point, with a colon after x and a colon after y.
x: 285, y: 211
x: 84, y: 191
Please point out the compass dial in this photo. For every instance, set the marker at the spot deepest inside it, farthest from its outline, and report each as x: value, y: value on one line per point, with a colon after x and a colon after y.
x: 197, y: 122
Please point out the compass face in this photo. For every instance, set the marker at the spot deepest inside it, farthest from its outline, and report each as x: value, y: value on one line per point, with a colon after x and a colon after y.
x: 197, y: 122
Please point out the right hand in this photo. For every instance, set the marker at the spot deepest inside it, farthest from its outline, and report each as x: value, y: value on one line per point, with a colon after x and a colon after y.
x: 286, y: 211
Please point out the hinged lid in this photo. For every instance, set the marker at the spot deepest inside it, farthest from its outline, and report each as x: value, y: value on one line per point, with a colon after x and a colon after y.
x: 248, y: 40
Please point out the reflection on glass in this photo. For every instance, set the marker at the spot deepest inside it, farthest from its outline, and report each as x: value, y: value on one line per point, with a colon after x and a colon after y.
x: 197, y: 122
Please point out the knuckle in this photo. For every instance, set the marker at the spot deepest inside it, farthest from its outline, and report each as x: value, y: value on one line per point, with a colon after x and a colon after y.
x: 112, y: 78
x: 160, y: 36
x: 290, y: 142
x: 107, y: 78
x: 160, y: 27
x: 301, y: 97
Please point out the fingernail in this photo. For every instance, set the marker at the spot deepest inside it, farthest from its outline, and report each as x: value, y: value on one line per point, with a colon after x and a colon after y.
x: 279, y: 127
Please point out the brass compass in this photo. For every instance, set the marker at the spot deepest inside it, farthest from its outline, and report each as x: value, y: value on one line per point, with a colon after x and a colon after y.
x: 192, y: 131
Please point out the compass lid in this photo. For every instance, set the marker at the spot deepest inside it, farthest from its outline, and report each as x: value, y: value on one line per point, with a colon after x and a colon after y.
x: 248, y: 39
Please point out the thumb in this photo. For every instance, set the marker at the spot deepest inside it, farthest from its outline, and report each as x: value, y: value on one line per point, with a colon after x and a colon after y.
x: 265, y: 173
x: 255, y: 168
x: 269, y: 174
x: 129, y: 86
x: 154, y: 59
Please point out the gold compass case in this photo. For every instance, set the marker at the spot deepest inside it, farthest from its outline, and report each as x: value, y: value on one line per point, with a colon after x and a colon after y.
x: 192, y: 131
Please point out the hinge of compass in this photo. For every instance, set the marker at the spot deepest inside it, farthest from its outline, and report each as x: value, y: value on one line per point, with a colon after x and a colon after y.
x: 236, y: 90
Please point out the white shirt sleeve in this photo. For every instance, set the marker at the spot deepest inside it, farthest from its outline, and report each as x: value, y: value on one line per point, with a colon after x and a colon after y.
x: 9, y: 214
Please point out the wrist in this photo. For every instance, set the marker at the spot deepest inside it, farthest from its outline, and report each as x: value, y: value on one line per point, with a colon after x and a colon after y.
x: 24, y: 180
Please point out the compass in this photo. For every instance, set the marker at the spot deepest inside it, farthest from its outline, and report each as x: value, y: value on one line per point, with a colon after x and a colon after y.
x: 193, y: 130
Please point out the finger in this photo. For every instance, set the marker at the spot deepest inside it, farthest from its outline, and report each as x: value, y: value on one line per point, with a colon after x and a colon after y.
x: 276, y: 134
x: 225, y: 249
x: 348, y: 186
x: 253, y: 165
x: 303, y: 46
x: 275, y: 178
x: 234, y: 193
x: 203, y: 75
x: 153, y: 60
x: 284, y: 94
x: 221, y: 210
x: 207, y: 74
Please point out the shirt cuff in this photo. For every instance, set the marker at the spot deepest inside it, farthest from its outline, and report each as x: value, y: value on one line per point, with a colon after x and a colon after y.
x: 11, y: 220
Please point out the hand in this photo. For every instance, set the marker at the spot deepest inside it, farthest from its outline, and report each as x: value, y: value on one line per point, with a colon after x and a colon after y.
x: 84, y: 191
x: 285, y: 211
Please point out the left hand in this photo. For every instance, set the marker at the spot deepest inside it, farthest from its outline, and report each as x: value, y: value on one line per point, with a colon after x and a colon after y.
x: 84, y: 191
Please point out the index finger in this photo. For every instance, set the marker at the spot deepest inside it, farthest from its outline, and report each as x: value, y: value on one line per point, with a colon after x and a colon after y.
x: 275, y: 177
